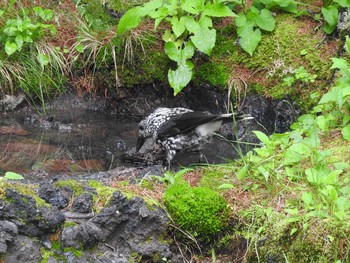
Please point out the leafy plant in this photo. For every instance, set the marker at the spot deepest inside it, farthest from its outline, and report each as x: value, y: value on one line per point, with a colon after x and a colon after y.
x: 26, y: 61
x: 13, y: 176
x: 18, y: 32
x: 300, y: 74
x: 170, y: 178
x: 191, y: 28
x: 330, y: 13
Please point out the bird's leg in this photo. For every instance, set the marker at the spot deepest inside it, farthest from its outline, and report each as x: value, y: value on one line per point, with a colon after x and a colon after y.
x: 170, y: 154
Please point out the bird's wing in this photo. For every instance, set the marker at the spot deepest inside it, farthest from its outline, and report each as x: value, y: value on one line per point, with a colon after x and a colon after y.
x: 183, y: 123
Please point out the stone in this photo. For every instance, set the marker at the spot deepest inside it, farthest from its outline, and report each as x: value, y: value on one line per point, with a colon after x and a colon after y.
x: 53, y: 196
x: 8, y: 231
x: 23, y: 249
x: 85, y: 235
x: 83, y: 203
x: 30, y: 219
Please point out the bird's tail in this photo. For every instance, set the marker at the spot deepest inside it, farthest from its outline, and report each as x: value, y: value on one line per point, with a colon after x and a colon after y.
x: 236, y: 116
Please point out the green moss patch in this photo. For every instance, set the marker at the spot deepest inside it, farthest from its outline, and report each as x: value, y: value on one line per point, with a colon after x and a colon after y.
x: 199, y: 210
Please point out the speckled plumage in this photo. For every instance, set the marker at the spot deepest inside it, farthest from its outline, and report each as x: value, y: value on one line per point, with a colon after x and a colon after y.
x: 181, y: 129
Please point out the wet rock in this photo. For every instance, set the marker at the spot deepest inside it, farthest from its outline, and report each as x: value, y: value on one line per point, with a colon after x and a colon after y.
x: 30, y: 219
x: 343, y: 25
x: 83, y: 203
x: 23, y: 249
x: 130, y: 226
x: 53, y: 196
x: 149, y: 153
x: 10, y: 103
x: 85, y: 235
x: 8, y: 231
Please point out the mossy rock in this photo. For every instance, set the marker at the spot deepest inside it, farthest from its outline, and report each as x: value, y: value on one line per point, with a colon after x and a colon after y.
x: 198, y: 210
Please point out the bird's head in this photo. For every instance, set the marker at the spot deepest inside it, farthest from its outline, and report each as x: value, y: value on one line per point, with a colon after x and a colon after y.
x: 143, y: 134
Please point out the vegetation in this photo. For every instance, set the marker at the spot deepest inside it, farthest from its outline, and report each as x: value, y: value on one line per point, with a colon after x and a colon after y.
x: 289, y: 199
x: 199, y: 210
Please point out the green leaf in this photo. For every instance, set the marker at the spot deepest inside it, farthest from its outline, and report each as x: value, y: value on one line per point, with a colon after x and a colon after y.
x: 204, y: 38
x: 249, y: 39
x: 307, y: 198
x: 1, y: 12
x: 293, y: 231
x: 13, y: 176
x: 180, y: 77
x: 217, y: 10
x: 129, y: 20
x: 343, y: 3
x: 193, y: 6
x: 43, y: 59
x: 346, y: 132
x: 296, y: 153
x: 265, y: 20
x: 177, y: 25
x: 262, y: 137
x: 133, y: 16
x: 226, y: 186
x: 242, y: 172
x: 79, y: 48
x: 19, y: 42
x: 10, y: 48
x: 330, y: 14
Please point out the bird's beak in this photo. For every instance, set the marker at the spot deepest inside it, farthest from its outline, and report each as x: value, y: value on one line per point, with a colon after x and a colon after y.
x: 140, y: 141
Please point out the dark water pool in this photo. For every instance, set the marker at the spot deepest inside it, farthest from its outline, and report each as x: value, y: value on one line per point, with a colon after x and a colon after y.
x: 67, y: 141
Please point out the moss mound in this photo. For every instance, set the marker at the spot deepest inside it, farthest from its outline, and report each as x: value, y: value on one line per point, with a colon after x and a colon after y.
x: 198, y: 210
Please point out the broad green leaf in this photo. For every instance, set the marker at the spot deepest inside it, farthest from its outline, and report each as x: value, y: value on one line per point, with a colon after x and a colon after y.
x: 172, y: 51
x: 249, y: 39
x: 10, y: 48
x: 193, y: 6
x: 242, y: 172
x: 180, y: 77
x: 293, y: 211
x: 293, y: 230
x: 331, y: 96
x: 217, y: 10
x: 178, y: 26
x: 296, y: 153
x: 342, y: 205
x: 43, y: 59
x: 204, y: 38
x: 264, y: 172
x: 132, y: 17
x: 307, y: 198
x: 19, y: 42
x: 312, y: 176
x: 242, y: 23
x: 343, y: 3
x: 1, y: 12
x: 79, y: 48
x: 265, y: 20
x: 13, y: 176
x: 346, y: 132
x: 262, y: 137
x: 324, y: 122
x: 330, y: 14
x: 130, y: 20
x: 330, y: 192
x: 226, y: 186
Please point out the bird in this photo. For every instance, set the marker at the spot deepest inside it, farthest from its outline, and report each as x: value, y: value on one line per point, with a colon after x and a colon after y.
x: 182, y: 129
